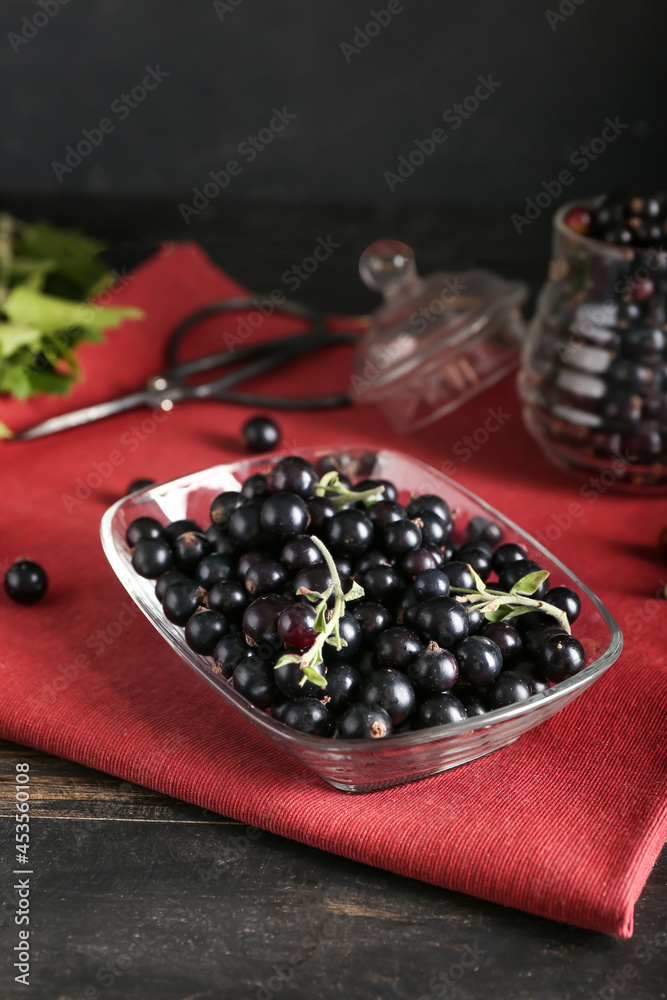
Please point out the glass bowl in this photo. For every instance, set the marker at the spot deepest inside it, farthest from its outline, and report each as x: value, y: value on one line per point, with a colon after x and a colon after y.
x: 364, y: 765
x: 593, y: 380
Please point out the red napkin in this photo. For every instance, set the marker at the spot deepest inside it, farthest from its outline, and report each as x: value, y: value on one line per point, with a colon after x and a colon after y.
x: 565, y: 823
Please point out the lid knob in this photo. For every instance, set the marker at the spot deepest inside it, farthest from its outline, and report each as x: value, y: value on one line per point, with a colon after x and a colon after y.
x: 386, y: 265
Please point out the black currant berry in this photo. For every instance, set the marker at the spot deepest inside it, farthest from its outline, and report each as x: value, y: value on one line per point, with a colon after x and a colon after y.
x: 506, y: 637
x: 260, y: 620
x: 515, y: 571
x: 350, y: 632
x: 506, y: 554
x: 373, y: 619
x: 176, y: 528
x: 389, y: 492
x: 260, y: 434
x: 214, y: 569
x: 401, y: 537
x: 342, y: 688
x: 189, y: 549
x: 308, y: 716
x: 350, y: 532
x: 459, y: 575
x: 508, y: 689
x: 288, y: 680
x: 434, y: 671
x: 382, y: 585
x: 434, y: 530
x: 300, y: 553
x: 284, y: 515
x: 141, y: 528
x: 165, y: 581
x: 181, y: 600
x: 478, y: 555
x: 432, y: 583
x: 428, y: 503
x: 26, y: 581
x: 224, y: 505
x: 293, y: 475
x: 204, y: 630
x: 480, y: 660
x: 253, y: 678
x: 229, y: 652
x: 384, y: 512
x: 390, y: 690
x: 440, y: 710
x: 560, y: 657
x: 150, y: 558
x: 365, y: 722
x: 397, y: 647
x: 296, y: 626
x: 481, y: 529
x: 256, y: 487
x: 443, y: 620
x: 320, y: 510
x: 229, y: 598
x: 418, y: 561
x: 245, y: 524
x: 565, y: 600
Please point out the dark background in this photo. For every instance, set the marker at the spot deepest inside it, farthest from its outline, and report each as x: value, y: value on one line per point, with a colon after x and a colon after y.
x: 228, y: 70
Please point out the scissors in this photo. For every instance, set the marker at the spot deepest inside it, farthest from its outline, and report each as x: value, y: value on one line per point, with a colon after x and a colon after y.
x: 172, y: 385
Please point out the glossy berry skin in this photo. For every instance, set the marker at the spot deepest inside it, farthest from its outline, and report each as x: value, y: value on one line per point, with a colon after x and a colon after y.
x: 288, y: 679
x: 438, y: 552
x: 320, y: 510
x: 478, y: 555
x: 176, y: 528
x: 370, y: 560
x: 480, y: 660
x: 440, y: 710
x: 365, y: 722
x: 560, y: 657
x: 534, y: 619
x: 342, y: 688
x: 443, y: 620
x: 350, y: 631
x: 293, y: 475
x: 204, y: 631
x: 565, y: 600
x: 431, y: 583
x: 308, y: 716
x: 508, y: 689
x: 165, y: 581
x: 245, y: 524
x: 150, y: 558
x: 26, y: 582
x: 480, y: 528
x: 229, y: 652
x: 459, y: 575
x: 397, y: 647
x: 535, y: 639
x: 253, y: 678
x: 224, y: 505
x: 350, y: 533
x: 229, y: 598
x: 279, y: 707
x: 246, y: 560
x: 473, y: 706
x: 514, y: 572
x: 390, y: 690
x: 223, y: 544
x: 382, y: 585
x: 260, y: 620
x: 389, y: 493
x: 532, y: 674
x: 434, y: 671
x: 418, y: 561
x: 385, y: 512
x: 140, y: 484
x: 476, y: 621
x: 189, y: 549
x: 260, y: 434
x: 401, y: 537
x: 434, y: 530
x: 373, y: 619
x: 181, y: 600
x: 143, y: 527
x: 299, y: 553
x: 284, y: 515
x: 214, y: 569
x: 505, y: 554
x: 506, y: 637
x: 427, y: 502
x: 295, y: 626
x: 256, y: 487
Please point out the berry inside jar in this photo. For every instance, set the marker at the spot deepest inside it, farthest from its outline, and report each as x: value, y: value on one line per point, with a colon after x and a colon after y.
x: 359, y: 611
x: 594, y: 372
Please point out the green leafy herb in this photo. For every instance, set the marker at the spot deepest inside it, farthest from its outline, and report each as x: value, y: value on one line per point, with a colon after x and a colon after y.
x: 327, y: 622
x: 499, y: 606
x: 48, y: 277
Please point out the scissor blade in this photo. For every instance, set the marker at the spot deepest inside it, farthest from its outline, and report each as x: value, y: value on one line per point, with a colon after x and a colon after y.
x: 86, y: 415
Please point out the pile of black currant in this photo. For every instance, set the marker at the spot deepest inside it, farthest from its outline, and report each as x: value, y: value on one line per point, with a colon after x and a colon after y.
x: 623, y: 219
x: 346, y: 613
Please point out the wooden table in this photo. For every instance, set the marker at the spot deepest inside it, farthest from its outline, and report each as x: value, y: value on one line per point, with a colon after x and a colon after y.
x: 140, y: 896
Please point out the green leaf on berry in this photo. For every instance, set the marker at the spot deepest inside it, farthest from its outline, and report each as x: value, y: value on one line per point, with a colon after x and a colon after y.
x: 354, y: 593
x: 312, y: 675
x: 321, y: 621
x: 529, y: 583
x: 479, y: 583
x: 287, y: 658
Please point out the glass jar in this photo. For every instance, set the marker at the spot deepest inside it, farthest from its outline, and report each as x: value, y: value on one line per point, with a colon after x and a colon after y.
x: 593, y: 380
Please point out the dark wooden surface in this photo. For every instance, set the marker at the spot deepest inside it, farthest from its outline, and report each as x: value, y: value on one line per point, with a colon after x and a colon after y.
x: 139, y: 896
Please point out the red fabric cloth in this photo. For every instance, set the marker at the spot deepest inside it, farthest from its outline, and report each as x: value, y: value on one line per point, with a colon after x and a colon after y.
x: 565, y: 823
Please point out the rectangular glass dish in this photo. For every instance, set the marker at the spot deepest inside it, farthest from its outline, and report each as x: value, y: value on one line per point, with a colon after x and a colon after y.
x: 365, y: 765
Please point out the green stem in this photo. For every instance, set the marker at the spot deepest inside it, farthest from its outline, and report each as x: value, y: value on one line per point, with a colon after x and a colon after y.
x: 480, y: 599
x: 330, y: 487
